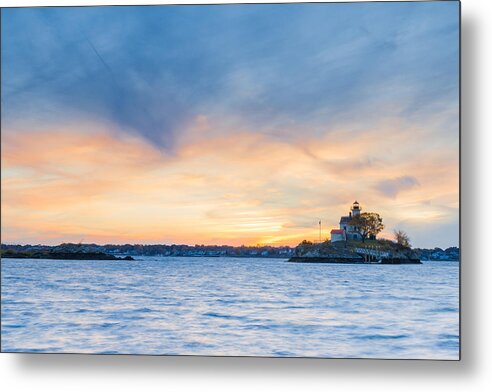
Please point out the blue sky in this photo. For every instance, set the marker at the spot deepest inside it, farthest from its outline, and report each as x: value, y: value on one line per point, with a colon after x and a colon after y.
x: 294, y: 74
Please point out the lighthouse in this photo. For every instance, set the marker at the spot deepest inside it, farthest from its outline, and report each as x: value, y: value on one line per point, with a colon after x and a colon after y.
x: 351, y: 232
x: 355, y: 209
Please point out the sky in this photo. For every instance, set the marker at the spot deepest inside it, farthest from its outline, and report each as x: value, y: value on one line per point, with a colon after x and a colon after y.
x: 229, y: 124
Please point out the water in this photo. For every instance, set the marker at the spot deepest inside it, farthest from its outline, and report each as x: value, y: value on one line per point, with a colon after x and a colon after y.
x: 228, y: 306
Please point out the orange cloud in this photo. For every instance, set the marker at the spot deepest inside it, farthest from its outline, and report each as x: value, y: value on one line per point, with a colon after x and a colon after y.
x: 219, y: 186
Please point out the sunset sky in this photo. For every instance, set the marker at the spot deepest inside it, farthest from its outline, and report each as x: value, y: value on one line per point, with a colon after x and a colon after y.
x: 241, y: 124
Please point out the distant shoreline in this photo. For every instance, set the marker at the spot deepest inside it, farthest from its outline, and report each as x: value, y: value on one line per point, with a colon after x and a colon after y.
x: 260, y: 251
x: 10, y: 254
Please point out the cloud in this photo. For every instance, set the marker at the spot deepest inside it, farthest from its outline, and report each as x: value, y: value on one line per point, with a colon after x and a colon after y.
x: 392, y: 187
x: 150, y: 70
x: 245, y: 188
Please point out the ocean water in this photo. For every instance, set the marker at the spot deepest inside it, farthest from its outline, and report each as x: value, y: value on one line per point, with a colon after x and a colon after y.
x: 231, y: 306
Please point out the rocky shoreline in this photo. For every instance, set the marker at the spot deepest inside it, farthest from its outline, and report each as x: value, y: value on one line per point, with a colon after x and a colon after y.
x: 335, y: 260
x: 9, y: 254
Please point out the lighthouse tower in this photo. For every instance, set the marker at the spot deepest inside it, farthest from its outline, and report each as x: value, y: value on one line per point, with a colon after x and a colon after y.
x: 355, y: 209
x: 351, y: 231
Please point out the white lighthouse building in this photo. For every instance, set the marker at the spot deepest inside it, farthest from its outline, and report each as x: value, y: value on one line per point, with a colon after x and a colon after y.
x: 351, y: 231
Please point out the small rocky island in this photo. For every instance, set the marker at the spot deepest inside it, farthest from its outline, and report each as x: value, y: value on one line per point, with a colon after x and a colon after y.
x: 61, y: 255
x: 354, y: 252
x: 355, y: 242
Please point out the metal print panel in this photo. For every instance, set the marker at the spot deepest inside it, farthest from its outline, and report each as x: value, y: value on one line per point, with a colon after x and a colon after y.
x: 275, y: 180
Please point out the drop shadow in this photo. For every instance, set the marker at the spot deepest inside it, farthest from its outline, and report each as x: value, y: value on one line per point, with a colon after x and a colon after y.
x: 146, y: 365
x: 469, y: 207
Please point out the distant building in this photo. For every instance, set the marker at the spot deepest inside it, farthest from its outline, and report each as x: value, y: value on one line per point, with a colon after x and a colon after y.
x: 351, y: 232
x: 337, y: 235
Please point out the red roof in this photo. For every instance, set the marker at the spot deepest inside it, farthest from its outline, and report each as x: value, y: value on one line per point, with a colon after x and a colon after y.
x: 337, y: 231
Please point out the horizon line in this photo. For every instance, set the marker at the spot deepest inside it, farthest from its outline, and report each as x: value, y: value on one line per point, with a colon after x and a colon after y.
x: 194, y: 245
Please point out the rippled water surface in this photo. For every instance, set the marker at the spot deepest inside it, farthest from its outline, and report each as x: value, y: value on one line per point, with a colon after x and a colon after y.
x: 228, y: 306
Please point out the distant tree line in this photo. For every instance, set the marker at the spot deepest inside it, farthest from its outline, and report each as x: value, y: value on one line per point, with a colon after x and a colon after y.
x: 162, y: 250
